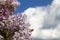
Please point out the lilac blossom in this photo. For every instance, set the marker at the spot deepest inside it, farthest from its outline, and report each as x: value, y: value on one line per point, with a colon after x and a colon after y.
x: 13, y: 27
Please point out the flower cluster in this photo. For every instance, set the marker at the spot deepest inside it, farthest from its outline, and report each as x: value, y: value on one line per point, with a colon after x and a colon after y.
x: 13, y: 27
x: 17, y: 27
x: 7, y: 7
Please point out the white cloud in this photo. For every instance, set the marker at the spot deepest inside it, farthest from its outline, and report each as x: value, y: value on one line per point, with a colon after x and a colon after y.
x: 36, y: 18
x: 48, y: 16
x: 56, y: 2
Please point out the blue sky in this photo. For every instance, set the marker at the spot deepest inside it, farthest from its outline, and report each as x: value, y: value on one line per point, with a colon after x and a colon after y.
x: 31, y: 3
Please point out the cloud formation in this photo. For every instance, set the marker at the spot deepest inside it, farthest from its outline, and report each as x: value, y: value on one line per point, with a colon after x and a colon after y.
x: 45, y: 20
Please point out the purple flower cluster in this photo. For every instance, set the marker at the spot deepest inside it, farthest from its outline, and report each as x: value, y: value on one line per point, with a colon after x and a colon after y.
x: 7, y: 8
x: 13, y: 27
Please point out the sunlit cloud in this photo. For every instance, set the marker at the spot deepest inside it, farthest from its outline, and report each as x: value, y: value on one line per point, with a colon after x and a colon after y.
x: 45, y: 20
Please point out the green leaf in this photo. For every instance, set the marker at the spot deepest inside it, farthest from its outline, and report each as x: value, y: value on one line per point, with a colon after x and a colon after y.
x: 7, y: 33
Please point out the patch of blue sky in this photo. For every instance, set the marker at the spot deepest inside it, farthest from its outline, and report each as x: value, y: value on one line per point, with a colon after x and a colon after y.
x: 25, y: 4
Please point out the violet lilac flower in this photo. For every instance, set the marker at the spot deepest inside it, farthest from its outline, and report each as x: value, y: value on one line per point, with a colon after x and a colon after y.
x: 13, y: 27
